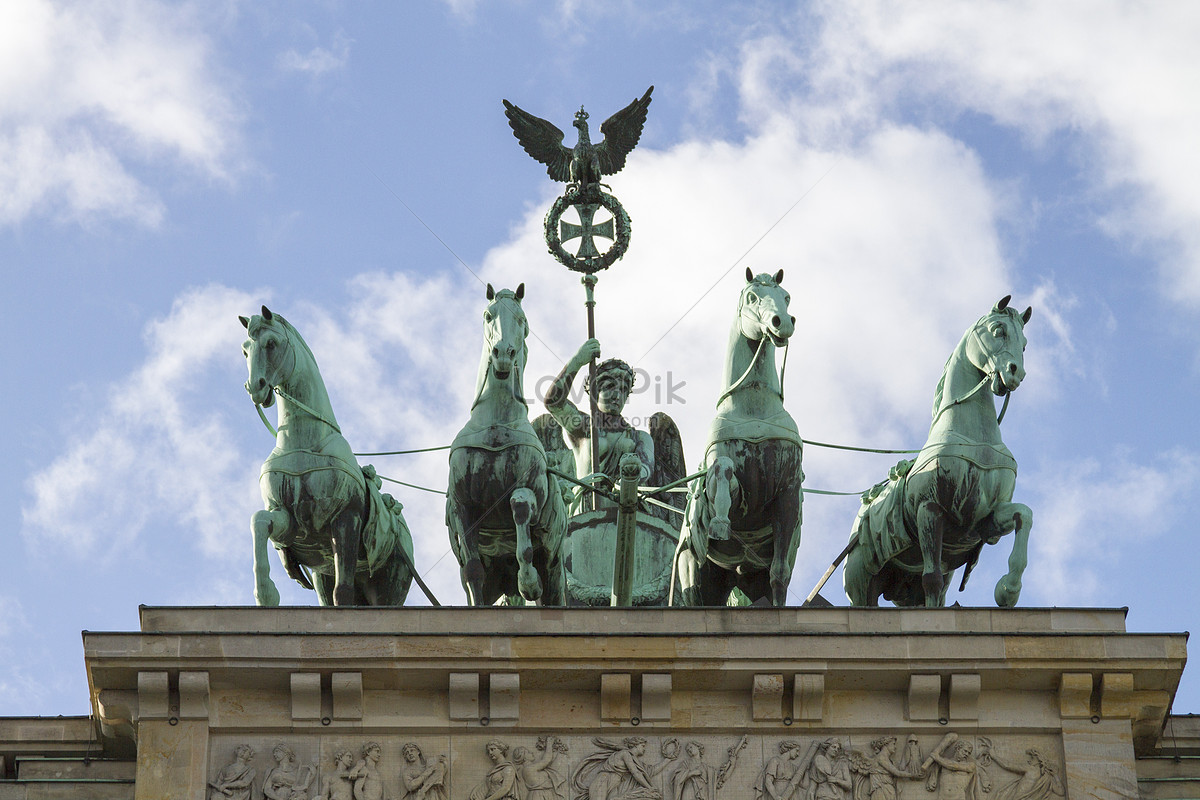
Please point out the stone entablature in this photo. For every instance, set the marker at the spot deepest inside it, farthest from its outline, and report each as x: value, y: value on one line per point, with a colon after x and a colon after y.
x: 198, y: 682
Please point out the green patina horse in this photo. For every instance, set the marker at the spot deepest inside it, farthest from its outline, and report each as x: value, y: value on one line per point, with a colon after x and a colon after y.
x: 742, y: 523
x: 334, y: 530
x: 504, y: 511
x: 935, y: 512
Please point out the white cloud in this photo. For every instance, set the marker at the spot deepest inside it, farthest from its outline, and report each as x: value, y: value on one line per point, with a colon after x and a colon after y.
x: 89, y: 90
x: 155, y: 451
x: 1121, y: 75
x: 1087, y: 512
x: 318, y: 60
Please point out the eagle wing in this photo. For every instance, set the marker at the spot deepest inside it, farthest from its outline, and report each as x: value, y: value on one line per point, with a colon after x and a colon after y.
x: 542, y: 140
x: 621, y: 133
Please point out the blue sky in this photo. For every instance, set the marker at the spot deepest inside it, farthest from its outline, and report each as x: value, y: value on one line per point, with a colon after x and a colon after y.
x: 166, y: 167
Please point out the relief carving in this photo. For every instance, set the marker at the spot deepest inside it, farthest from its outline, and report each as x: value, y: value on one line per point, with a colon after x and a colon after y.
x: 541, y: 781
x: 828, y: 774
x: 233, y: 780
x: 1039, y: 778
x: 958, y: 777
x: 500, y: 783
x: 422, y: 781
x: 693, y: 779
x: 876, y: 774
x: 368, y: 782
x: 340, y: 785
x: 287, y: 780
x: 618, y: 772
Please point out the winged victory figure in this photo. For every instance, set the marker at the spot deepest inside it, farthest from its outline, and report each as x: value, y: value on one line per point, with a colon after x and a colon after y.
x: 580, y: 167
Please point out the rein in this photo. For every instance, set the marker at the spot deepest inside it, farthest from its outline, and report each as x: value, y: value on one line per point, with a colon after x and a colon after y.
x: 987, y: 377
x: 317, y: 415
x: 762, y: 342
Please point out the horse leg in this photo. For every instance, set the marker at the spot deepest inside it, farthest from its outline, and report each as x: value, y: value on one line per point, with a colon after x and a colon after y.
x: 1019, y: 518
x: 785, y: 529
x: 323, y: 583
x: 931, y: 525
x: 265, y: 525
x: 345, y: 554
x: 720, y: 485
x: 523, y: 501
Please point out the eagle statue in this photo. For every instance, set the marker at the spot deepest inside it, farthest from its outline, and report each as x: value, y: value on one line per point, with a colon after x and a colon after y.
x: 581, y: 167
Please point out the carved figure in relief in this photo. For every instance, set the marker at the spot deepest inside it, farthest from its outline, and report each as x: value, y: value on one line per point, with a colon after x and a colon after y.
x: 911, y: 760
x: 1039, y: 779
x: 536, y: 769
x: 287, y: 780
x: 781, y: 774
x: 828, y: 777
x: 422, y: 781
x: 233, y: 781
x: 618, y: 771
x: 693, y: 779
x: 340, y: 785
x: 368, y: 782
x: 877, y: 773
x: 502, y: 781
x: 958, y: 777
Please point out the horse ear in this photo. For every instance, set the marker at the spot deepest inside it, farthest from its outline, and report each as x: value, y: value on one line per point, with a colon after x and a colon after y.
x: 520, y: 292
x: 1003, y: 304
x: 779, y: 277
x: 245, y: 322
x: 266, y: 314
x: 491, y: 293
x: 1025, y: 317
x: 749, y: 276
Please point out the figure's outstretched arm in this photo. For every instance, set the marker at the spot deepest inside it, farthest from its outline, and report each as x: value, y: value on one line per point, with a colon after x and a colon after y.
x: 576, y: 423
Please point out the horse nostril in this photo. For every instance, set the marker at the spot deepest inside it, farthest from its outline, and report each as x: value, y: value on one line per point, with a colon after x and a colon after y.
x: 775, y: 321
x: 262, y: 382
x: 793, y: 320
x: 1012, y: 368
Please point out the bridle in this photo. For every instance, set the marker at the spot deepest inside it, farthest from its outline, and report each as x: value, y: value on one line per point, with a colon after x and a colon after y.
x: 277, y: 388
x: 993, y: 369
x: 762, y: 342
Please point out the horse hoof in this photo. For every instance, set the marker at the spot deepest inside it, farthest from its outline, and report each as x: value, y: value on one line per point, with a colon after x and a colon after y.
x: 267, y: 595
x: 528, y: 583
x: 1007, y: 592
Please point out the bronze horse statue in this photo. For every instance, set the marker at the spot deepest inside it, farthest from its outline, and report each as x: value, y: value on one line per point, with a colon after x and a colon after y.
x: 935, y: 512
x: 742, y: 523
x: 334, y: 530
x: 504, y: 511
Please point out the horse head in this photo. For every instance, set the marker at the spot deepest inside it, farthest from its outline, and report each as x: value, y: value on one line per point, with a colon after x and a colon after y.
x: 504, y: 332
x: 996, y: 346
x: 763, y: 309
x: 270, y: 355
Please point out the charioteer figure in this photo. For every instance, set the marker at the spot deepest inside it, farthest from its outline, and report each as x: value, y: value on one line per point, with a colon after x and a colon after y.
x: 614, y: 382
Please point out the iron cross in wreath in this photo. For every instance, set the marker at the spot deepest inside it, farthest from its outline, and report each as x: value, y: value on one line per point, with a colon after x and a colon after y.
x: 581, y: 168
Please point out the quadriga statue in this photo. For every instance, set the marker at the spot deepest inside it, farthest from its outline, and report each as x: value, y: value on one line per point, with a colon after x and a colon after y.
x: 334, y: 529
x: 742, y: 523
x: 935, y: 512
x: 505, y: 512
